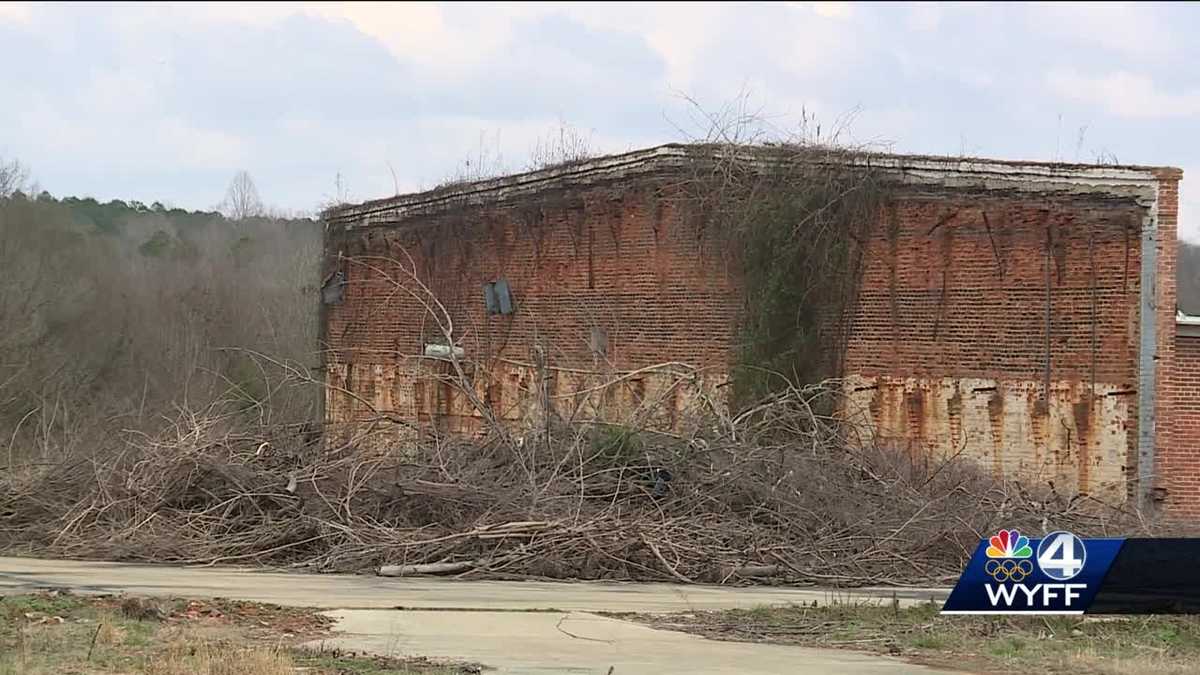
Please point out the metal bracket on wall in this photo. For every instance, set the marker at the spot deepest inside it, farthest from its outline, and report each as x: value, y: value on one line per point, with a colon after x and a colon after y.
x: 332, y: 291
x: 497, y: 297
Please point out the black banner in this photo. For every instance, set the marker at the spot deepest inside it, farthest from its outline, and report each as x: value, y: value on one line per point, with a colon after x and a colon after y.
x: 1152, y: 576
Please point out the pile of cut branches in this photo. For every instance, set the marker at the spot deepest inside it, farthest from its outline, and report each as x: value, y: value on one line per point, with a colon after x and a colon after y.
x: 777, y: 494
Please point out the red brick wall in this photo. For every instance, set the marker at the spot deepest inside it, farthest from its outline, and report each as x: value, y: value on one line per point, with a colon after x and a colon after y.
x: 1178, y: 421
x: 617, y: 259
x: 948, y: 350
x: 1179, y: 454
x: 952, y: 306
x: 955, y: 301
x: 615, y: 262
x: 967, y: 298
x: 1168, y: 227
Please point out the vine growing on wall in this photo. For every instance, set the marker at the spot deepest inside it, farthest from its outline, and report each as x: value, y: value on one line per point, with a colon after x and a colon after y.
x: 791, y: 221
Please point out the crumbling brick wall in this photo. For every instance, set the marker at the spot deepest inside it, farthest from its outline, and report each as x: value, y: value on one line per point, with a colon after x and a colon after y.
x: 998, y: 317
x: 609, y: 284
x: 973, y: 306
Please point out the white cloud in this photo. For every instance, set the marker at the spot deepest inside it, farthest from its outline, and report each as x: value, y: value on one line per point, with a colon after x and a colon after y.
x: 833, y: 10
x: 415, y: 32
x: 925, y: 16
x: 133, y: 143
x: 166, y: 88
x: 502, y: 145
x: 16, y: 12
x: 120, y: 93
x: 1124, y: 94
x: 443, y: 46
x: 1130, y: 29
x: 678, y: 32
x: 204, y: 148
x: 888, y: 128
x: 419, y: 32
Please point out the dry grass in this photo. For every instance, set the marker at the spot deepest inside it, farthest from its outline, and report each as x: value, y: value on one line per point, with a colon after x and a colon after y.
x: 52, y: 633
x: 189, y: 658
x: 110, y: 632
x: 1099, y: 645
x: 1099, y: 664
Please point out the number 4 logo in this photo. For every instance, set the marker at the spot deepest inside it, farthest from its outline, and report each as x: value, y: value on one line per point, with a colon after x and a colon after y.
x: 1061, y: 555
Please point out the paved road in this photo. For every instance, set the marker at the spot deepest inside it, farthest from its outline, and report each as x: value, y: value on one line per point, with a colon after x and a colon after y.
x: 344, y: 591
x: 580, y: 642
x: 393, y: 616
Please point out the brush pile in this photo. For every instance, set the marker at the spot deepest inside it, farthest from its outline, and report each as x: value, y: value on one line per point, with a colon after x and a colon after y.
x: 779, y: 494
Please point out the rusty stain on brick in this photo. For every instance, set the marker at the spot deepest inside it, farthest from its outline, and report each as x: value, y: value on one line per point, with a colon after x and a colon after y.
x: 1083, y: 410
x: 875, y: 404
x: 915, y: 413
x: 954, y: 410
x: 995, y: 412
x: 1007, y: 425
x: 1039, y: 413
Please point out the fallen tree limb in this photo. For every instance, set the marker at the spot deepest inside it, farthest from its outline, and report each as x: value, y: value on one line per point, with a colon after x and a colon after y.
x: 426, y: 568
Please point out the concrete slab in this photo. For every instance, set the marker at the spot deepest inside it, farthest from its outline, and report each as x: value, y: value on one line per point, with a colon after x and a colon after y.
x: 569, y: 639
x: 529, y: 643
x: 21, y: 575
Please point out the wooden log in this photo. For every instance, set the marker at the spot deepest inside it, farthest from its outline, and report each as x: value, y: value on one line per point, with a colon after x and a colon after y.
x: 756, y: 570
x: 426, y: 568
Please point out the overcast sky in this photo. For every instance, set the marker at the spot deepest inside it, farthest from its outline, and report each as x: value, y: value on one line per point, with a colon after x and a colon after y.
x: 166, y: 102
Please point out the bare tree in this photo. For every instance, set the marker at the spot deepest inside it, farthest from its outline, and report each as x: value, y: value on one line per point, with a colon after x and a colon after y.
x: 13, y: 175
x: 241, y: 198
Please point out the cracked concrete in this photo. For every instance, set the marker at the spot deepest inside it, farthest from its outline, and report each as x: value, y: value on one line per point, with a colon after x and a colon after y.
x: 514, y: 627
x: 535, y: 643
x: 340, y: 591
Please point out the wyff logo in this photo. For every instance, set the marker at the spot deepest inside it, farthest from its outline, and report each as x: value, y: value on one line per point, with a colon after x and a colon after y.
x: 1010, y: 573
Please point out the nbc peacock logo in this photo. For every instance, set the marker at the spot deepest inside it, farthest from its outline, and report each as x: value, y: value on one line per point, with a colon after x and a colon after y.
x: 1009, y: 557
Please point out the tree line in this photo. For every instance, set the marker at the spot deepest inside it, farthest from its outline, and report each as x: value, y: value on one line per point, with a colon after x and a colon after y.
x: 117, y: 315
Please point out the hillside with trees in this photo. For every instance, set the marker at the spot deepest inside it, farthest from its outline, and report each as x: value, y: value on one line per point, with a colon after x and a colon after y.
x: 119, y: 315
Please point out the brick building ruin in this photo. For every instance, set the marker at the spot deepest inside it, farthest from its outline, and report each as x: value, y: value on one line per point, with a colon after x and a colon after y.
x: 1018, y: 313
